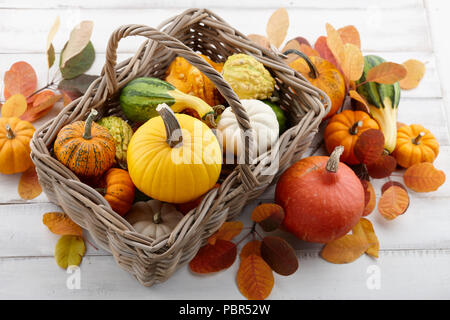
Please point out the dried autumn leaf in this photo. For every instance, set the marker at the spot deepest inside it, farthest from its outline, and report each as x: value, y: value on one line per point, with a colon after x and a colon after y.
x: 308, y: 50
x: 335, y: 44
x: 292, y: 44
x: 227, y: 231
x: 69, y: 251
x: 43, y: 103
x: 423, y: 177
x: 15, y: 106
x: 386, y: 73
x: 356, y: 96
x: 78, y: 40
x: 353, y: 64
x: 79, y: 84
x: 277, y: 27
x: 415, y: 72
x: 78, y: 64
x: 382, y: 167
x: 60, y: 223
x: 364, y: 228
x: 50, y: 50
x: 349, y: 34
x: 322, y: 48
x: 260, y: 40
x: 213, y: 258
x: 345, y: 250
x: 20, y: 78
x: 66, y: 98
x: 393, y: 202
x: 369, y: 146
x: 371, y: 201
x: 391, y: 183
x: 252, y: 247
x: 255, y: 278
x: 268, y: 215
x: 279, y: 255
x: 29, y: 187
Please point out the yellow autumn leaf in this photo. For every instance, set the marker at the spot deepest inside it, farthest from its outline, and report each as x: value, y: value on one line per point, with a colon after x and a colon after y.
x: 415, y: 72
x: 353, y: 64
x: 364, y: 228
x: 15, y: 106
x: 335, y: 44
x: 69, y: 251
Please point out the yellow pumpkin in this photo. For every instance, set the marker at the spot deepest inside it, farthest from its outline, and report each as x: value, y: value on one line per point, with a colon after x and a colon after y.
x: 173, y: 165
x: 415, y: 144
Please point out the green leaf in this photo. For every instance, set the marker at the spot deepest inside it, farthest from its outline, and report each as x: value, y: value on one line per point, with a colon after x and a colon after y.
x: 69, y: 251
x: 79, y: 64
x: 79, y: 84
x: 51, y: 56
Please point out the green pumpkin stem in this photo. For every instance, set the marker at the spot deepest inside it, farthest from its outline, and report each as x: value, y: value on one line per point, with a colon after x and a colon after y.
x: 157, y: 217
x: 313, y: 72
x: 417, y: 139
x: 88, y: 124
x: 354, y: 129
x: 174, y: 137
x: 333, y: 161
x: 9, y: 132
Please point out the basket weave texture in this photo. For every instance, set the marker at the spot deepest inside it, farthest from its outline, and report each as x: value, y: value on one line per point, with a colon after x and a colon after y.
x: 195, y: 30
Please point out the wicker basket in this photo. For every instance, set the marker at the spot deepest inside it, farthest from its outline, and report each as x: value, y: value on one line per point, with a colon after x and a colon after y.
x: 195, y: 30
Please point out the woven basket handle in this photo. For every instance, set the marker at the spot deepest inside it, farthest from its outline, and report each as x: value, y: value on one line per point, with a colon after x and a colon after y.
x: 184, y: 51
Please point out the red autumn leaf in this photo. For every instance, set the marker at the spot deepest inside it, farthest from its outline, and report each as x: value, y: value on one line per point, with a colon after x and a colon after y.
x: 20, y: 78
x: 423, y: 177
x: 279, y: 255
x: 391, y: 183
x: 370, y: 199
x: 382, y: 167
x: 393, y: 202
x: 42, y: 104
x: 213, y: 258
x: 322, y: 48
x: 369, y: 146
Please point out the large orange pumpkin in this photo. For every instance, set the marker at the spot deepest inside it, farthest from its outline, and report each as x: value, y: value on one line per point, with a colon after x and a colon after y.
x: 323, y: 75
x: 323, y: 199
x: 344, y: 128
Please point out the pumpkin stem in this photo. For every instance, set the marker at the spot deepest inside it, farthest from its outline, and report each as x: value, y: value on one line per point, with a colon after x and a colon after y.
x: 333, y: 161
x: 354, y: 129
x: 313, y: 72
x: 9, y: 132
x: 417, y: 139
x: 173, y: 129
x: 157, y: 217
x: 88, y: 125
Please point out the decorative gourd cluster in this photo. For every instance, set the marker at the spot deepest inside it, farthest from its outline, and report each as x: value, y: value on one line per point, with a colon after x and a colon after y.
x: 159, y: 159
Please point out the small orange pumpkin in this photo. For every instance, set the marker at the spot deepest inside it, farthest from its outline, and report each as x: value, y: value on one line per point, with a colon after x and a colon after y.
x: 85, y: 147
x: 15, y: 136
x: 323, y: 75
x: 344, y: 129
x: 119, y: 190
x: 415, y: 144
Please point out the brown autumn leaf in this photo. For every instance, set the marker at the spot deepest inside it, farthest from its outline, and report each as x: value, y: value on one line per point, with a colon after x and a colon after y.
x: 227, y: 231
x: 20, y: 78
x: 386, y: 73
x: 363, y: 105
x: 423, y: 177
x: 213, y: 258
x: 251, y: 247
x: 268, y: 215
x: 349, y: 34
x: 260, y: 40
x: 279, y: 255
x: 371, y: 201
x: 415, y: 72
x: 29, y: 187
x: 353, y: 64
x: 15, y: 106
x: 393, y: 202
x: 391, y: 183
x: 369, y: 146
x: 60, y: 223
x: 382, y: 167
x: 255, y: 278
x: 345, y: 249
x: 277, y: 27
x: 364, y: 228
x: 42, y: 105
x: 66, y: 98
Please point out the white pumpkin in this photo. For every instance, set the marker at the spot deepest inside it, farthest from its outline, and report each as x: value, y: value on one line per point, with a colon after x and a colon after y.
x: 263, y: 121
x: 153, y: 218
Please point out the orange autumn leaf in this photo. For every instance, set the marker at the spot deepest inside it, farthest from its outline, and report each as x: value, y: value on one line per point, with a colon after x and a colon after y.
x: 353, y: 64
x: 66, y: 99
x: 260, y: 40
x: 371, y: 202
x: 252, y: 247
x: 227, y: 231
x: 268, y: 215
x: 29, y: 187
x: 308, y: 50
x: 15, y: 106
x: 391, y: 183
x: 322, y: 48
x: 255, y: 278
x: 356, y: 96
x: 60, y: 223
x: 415, y: 72
x: 349, y: 34
x: 42, y: 104
x: 423, y: 177
x: 393, y: 202
x: 213, y: 258
x: 345, y: 249
x: 20, y: 78
x: 364, y: 228
x: 335, y: 44
x: 386, y: 73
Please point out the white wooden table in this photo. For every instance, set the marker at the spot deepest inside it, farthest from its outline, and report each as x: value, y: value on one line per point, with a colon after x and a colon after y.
x: 414, y: 258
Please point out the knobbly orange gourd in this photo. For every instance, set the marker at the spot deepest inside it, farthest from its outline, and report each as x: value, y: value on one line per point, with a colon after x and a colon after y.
x: 85, y: 147
x: 323, y: 75
x: 119, y: 190
x: 415, y: 144
x: 344, y: 129
x: 15, y: 136
x: 323, y: 199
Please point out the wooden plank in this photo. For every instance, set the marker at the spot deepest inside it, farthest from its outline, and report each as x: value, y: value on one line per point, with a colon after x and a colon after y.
x: 100, y: 278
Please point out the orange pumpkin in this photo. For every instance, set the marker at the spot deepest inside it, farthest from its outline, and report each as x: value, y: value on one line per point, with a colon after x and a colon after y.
x: 323, y: 199
x: 323, y: 75
x: 119, y: 190
x: 15, y: 136
x: 85, y: 147
x: 415, y: 144
x: 344, y: 129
